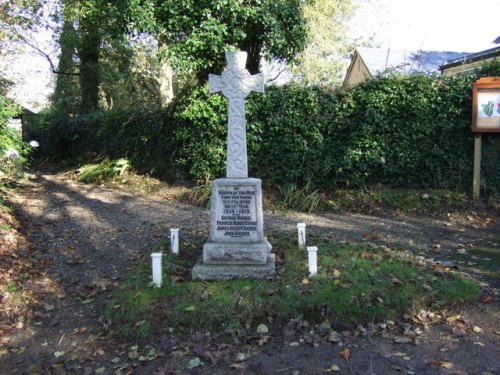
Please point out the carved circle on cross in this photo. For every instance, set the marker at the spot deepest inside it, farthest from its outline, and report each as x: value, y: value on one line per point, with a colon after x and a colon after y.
x: 237, y: 87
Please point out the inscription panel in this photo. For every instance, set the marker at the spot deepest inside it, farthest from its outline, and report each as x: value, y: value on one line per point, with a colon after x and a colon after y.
x: 238, y: 217
x: 236, y: 214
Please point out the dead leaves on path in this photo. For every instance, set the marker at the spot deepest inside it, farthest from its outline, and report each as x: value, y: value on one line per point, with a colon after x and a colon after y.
x: 22, y: 280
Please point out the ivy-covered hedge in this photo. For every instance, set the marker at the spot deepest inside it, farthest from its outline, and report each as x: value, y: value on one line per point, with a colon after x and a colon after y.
x: 399, y: 131
x: 13, y: 151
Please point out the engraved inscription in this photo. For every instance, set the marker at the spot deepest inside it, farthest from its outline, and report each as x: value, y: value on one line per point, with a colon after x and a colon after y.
x: 237, y: 216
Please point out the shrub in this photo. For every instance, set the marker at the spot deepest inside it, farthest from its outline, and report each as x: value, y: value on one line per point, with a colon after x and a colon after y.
x: 13, y: 151
x: 409, y: 131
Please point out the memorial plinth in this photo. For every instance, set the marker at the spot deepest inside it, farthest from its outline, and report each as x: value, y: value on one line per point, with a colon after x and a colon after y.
x: 237, y: 247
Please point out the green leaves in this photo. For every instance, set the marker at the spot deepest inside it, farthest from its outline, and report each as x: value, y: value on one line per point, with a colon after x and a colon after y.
x: 198, y: 32
x: 401, y: 132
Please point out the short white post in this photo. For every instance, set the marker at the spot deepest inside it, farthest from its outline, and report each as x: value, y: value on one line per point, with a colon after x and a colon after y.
x: 301, y: 228
x: 174, y: 240
x: 157, y: 269
x: 312, y: 253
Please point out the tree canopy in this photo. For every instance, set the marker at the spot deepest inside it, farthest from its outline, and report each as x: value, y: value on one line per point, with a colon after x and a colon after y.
x: 323, y: 60
x: 197, y: 32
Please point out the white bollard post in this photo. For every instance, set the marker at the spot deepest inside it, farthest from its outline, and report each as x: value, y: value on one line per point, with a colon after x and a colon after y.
x: 312, y: 253
x: 174, y: 240
x: 301, y: 228
x: 157, y: 269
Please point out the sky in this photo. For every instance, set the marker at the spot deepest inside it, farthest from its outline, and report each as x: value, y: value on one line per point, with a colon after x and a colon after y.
x: 441, y: 25
x: 444, y: 25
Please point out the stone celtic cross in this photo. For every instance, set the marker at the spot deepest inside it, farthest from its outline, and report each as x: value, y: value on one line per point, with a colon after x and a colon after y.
x: 236, y: 83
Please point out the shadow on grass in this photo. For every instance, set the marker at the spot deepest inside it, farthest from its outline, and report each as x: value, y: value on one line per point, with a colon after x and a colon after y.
x: 356, y: 284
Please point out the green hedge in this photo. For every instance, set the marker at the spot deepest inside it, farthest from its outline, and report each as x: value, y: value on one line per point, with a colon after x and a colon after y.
x: 10, y: 141
x: 399, y: 131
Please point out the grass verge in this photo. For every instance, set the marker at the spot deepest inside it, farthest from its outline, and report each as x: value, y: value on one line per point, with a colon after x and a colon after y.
x: 356, y: 283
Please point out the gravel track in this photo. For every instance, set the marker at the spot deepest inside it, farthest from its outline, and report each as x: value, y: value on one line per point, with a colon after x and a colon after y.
x: 90, y: 234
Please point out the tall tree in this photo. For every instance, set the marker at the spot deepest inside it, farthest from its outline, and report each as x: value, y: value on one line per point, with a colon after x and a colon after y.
x: 197, y: 32
x: 66, y: 96
x: 323, y: 62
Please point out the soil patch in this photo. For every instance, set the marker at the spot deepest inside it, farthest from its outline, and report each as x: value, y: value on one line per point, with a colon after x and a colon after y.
x: 81, y: 239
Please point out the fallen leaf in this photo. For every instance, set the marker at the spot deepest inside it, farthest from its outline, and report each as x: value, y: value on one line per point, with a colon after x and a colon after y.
x: 305, y: 281
x: 487, y: 299
x: 263, y: 340
x: 427, y: 287
x: 372, y: 236
x: 345, y: 353
x: 204, y: 296
x: 195, y: 362
x: 190, y: 308
x: 81, y: 330
x: 334, y: 337
x: 445, y: 364
x: 240, y: 357
x: 100, y: 370
x: 477, y: 329
x: 458, y: 331
x: 59, y: 354
x: 294, y: 343
x: 262, y: 328
x: 333, y: 368
x: 335, y: 274
x: 133, y: 354
x: 396, y: 282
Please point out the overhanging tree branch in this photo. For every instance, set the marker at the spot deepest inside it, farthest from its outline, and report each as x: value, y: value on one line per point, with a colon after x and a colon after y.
x: 49, y: 59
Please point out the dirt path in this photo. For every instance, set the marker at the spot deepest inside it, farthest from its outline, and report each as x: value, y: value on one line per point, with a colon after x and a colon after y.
x: 86, y: 237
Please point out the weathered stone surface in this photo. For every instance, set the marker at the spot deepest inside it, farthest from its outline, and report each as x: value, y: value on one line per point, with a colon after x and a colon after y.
x: 236, y: 223
x: 236, y: 83
x: 236, y: 210
x: 236, y: 247
x: 203, y: 271
x: 236, y: 253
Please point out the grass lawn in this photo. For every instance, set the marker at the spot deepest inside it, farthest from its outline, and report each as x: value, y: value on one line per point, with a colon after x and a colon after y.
x: 356, y: 284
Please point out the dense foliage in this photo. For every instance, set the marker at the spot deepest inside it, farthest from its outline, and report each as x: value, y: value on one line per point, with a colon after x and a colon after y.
x: 398, y: 131
x: 12, y: 149
x: 197, y: 32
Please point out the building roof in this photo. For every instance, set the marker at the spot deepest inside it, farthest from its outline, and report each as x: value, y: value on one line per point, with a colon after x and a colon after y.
x: 379, y: 60
x: 472, y: 57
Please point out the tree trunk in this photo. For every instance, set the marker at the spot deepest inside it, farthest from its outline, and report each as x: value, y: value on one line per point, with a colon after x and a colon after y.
x: 165, y: 79
x: 66, y: 96
x: 165, y: 82
x: 89, y: 54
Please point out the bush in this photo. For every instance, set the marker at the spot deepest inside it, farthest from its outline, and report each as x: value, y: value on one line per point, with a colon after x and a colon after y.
x: 12, y: 150
x: 411, y: 131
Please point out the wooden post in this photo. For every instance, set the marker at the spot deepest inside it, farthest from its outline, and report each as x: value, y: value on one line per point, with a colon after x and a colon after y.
x: 476, y: 178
